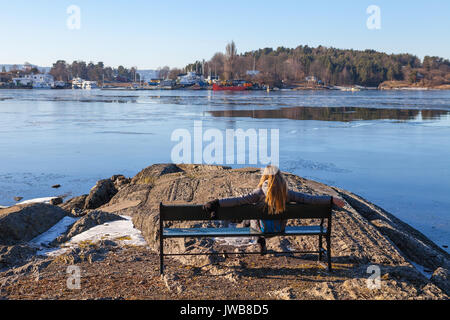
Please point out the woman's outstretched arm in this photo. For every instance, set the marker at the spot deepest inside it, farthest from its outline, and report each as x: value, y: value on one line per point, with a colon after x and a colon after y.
x: 300, y: 197
x: 250, y: 198
x: 213, y: 206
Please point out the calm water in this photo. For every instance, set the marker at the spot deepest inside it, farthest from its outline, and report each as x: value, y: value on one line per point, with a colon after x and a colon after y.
x: 392, y: 148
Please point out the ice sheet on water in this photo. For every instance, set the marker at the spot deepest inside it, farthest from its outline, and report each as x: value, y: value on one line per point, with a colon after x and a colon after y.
x: 292, y: 165
x: 361, y: 124
x: 439, y: 124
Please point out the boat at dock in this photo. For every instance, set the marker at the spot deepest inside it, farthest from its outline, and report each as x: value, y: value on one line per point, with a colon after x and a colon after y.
x: 167, y: 84
x: 78, y: 83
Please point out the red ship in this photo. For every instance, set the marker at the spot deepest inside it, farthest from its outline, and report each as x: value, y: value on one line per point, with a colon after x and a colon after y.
x: 217, y: 87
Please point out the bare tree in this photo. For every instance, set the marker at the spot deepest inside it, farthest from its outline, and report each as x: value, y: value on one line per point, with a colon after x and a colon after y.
x: 241, y: 65
x: 217, y: 63
x: 164, y: 72
x: 230, y: 54
x: 173, y: 74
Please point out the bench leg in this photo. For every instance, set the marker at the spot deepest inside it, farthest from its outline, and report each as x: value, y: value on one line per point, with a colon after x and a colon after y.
x: 320, y: 247
x: 329, y: 252
x: 161, y: 256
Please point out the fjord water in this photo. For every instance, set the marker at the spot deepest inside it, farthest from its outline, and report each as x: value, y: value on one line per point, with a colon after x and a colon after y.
x: 392, y: 148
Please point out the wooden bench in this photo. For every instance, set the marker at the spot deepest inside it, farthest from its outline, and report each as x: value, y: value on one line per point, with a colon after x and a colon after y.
x: 247, y: 212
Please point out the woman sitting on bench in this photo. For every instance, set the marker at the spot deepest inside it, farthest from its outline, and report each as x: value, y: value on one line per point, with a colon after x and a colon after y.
x: 272, y: 194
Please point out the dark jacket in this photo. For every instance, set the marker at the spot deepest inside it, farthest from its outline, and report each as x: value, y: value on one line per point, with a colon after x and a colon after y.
x: 258, y: 196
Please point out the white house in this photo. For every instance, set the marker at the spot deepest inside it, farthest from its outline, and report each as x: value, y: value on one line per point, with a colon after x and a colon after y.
x: 38, y: 81
x: 43, y: 81
x: 22, y: 81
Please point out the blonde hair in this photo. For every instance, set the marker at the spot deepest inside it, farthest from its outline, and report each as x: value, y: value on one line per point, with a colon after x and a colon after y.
x: 276, y: 195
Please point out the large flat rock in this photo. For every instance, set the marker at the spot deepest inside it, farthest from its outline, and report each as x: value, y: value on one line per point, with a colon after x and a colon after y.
x: 24, y: 222
x: 362, y: 232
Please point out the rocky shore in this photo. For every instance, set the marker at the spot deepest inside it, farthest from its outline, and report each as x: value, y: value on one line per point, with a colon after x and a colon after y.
x: 405, y: 85
x: 364, y: 235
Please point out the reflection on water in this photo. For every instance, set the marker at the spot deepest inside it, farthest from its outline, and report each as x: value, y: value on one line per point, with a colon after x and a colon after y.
x: 342, y: 114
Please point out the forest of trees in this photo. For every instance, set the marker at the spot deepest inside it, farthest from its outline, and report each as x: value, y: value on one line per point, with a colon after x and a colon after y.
x: 332, y: 66
x: 286, y: 66
x: 95, y: 72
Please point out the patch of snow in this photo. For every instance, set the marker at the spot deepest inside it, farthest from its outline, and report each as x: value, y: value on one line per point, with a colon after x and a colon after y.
x: 38, y: 200
x: 122, y: 232
x: 3, y: 207
x: 422, y: 270
x: 289, y: 248
x: 236, y: 242
x: 54, y: 232
x: 113, y: 231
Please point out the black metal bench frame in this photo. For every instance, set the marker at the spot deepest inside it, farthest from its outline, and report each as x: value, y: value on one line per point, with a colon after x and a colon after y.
x: 247, y: 212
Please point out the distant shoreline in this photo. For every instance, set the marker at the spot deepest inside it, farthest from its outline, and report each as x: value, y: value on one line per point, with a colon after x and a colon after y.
x: 345, y: 89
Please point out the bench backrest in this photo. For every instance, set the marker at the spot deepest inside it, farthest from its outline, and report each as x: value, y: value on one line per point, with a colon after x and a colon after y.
x: 245, y: 212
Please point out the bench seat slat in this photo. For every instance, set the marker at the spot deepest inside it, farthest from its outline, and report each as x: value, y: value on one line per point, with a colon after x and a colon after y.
x: 238, y: 232
x: 304, y: 230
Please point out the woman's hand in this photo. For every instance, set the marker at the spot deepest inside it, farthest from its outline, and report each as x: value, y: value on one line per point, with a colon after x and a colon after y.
x: 212, y: 207
x: 339, y: 202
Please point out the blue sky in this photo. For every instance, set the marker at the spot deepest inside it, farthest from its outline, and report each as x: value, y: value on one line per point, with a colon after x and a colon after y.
x: 149, y: 34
